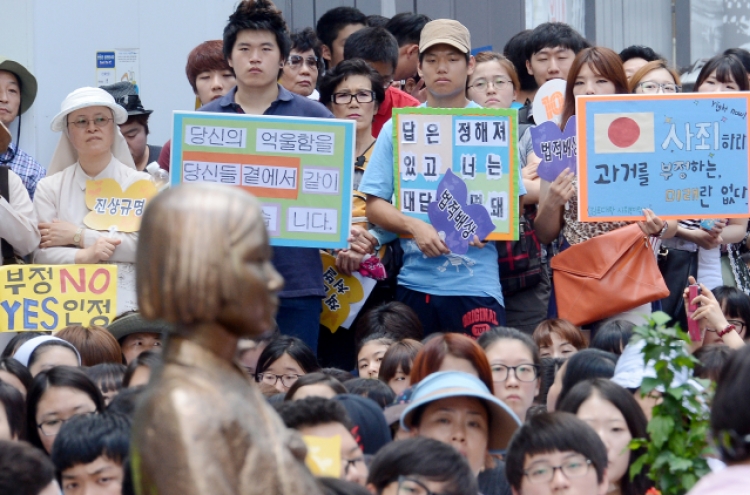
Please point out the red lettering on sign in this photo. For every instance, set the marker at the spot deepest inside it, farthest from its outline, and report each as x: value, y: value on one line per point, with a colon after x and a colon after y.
x: 92, y: 284
x: 66, y: 277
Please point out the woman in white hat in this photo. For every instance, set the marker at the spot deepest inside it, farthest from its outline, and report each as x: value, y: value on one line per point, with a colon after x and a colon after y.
x: 91, y: 148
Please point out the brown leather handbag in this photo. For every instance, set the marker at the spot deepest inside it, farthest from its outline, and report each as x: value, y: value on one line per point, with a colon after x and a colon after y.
x: 607, y: 275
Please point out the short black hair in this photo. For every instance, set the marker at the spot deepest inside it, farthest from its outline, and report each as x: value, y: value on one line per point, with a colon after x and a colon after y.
x: 18, y: 370
x: 336, y: 486
x: 285, y: 344
x: 550, y: 432
x: 83, y: 439
x: 15, y: 410
x: 507, y: 333
x: 712, y: 359
x: 741, y: 54
x: 149, y: 359
x: 354, y: 67
x: 305, y: 40
x: 18, y: 340
x: 552, y: 35
x: 317, y: 378
x: 52, y: 343
x: 126, y: 401
x: 639, y: 51
x: 376, y: 20
x: 734, y: 303
x: 407, y: 27
x: 312, y: 411
x: 426, y: 458
x: 613, y: 336
x: 341, y: 375
x: 730, y: 411
x: 333, y: 21
x: 515, y: 51
x: 107, y: 376
x: 395, y: 318
x: 372, y: 44
x: 585, y: 365
x: 375, y: 390
x: 257, y: 15
x: 24, y: 470
x: 547, y: 371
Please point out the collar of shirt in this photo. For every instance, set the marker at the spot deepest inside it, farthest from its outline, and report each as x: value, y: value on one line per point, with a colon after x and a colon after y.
x: 227, y: 101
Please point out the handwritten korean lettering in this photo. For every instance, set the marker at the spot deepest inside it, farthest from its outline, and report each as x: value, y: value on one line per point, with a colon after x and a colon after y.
x: 269, y: 176
x: 462, y: 222
x: 319, y: 180
x: 288, y: 141
x: 217, y: 137
x: 481, y: 132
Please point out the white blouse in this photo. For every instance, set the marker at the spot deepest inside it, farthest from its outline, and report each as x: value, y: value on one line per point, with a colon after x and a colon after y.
x: 18, y: 223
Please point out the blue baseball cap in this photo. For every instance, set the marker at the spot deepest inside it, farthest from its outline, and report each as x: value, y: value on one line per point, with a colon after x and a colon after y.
x: 447, y: 384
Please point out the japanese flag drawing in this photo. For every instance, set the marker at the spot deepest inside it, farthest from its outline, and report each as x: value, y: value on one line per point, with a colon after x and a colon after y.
x: 624, y: 132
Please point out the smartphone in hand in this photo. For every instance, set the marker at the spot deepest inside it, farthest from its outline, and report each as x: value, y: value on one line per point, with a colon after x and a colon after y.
x: 694, y: 329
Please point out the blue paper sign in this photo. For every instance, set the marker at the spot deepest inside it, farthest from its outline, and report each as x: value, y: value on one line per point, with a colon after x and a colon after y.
x: 682, y: 156
x: 105, y: 60
x: 556, y: 148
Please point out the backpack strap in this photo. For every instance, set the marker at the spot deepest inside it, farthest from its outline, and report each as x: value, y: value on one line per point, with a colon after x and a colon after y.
x: 7, y: 249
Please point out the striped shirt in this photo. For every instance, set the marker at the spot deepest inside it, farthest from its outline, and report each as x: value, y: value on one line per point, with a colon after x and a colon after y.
x: 24, y: 166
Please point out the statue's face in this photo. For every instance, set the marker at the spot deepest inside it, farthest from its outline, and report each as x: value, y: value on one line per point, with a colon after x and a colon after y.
x: 253, y: 308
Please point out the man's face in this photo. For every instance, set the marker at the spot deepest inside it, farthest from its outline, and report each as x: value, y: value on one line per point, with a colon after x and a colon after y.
x: 408, y: 62
x: 101, y: 477
x: 136, y: 343
x: 385, y: 70
x: 550, y: 63
x: 10, y: 97
x: 353, y: 467
x: 444, y: 70
x: 579, y: 480
x: 256, y: 59
x: 211, y: 85
x: 335, y: 53
x: 135, y: 135
x: 632, y: 66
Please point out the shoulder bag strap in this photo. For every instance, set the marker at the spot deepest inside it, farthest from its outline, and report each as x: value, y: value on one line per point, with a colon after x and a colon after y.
x: 7, y: 249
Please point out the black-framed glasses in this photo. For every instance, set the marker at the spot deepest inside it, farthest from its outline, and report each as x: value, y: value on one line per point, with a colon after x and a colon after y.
x: 296, y: 61
x: 52, y: 426
x: 523, y: 372
x: 574, y: 467
x: 412, y: 486
x: 346, y: 98
x: 650, y: 87
x: 739, y: 325
x: 287, y: 379
x: 83, y: 123
x: 497, y: 82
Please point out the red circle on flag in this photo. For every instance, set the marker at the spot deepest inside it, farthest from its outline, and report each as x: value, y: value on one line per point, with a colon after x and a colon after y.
x: 623, y: 132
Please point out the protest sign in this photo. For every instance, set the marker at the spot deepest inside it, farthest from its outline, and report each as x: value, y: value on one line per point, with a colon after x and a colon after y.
x: 548, y: 102
x: 682, y: 156
x: 555, y: 148
x: 112, y: 207
x: 51, y: 297
x: 323, y: 455
x: 479, y: 147
x: 345, y: 295
x: 301, y: 169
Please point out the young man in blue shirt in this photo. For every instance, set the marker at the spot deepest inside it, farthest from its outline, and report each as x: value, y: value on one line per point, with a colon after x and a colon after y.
x: 449, y: 292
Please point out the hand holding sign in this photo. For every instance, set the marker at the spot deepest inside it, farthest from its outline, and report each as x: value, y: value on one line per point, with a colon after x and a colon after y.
x: 556, y: 149
x: 459, y: 222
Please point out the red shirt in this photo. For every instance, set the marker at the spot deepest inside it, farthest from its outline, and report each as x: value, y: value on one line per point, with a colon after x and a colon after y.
x: 394, y: 98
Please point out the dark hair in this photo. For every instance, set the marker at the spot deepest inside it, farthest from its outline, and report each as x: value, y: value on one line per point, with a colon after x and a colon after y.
x: 18, y: 370
x: 585, y: 365
x: 257, y: 15
x: 142, y: 120
x: 15, y: 410
x: 426, y: 458
x: 24, y: 470
x: 354, y: 67
x: 400, y: 355
x: 605, y: 63
x: 379, y: 392
x: 730, y: 416
x: 51, y: 343
x: 107, y: 376
x: 341, y: 375
x: 305, y: 40
x: 742, y: 54
x: 484, y: 57
x: 333, y: 21
x: 430, y: 358
x: 639, y: 51
x: 126, y: 401
x: 18, y: 340
x: 95, y: 344
x: 83, y: 439
x: 547, y: 371
x: 613, y: 336
x: 407, y: 27
x: 550, y: 432
x: 372, y: 44
x: 631, y: 411
x: 552, y: 35
x: 491, y: 336
x: 712, y: 359
x: 317, y: 378
x: 207, y: 56
x: 727, y: 67
x: 376, y: 20
x: 394, y: 317
x: 312, y: 411
x: 294, y: 347
x: 515, y: 51
x: 336, y: 486
x: 149, y: 359
x: 734, y: 302
x: 563, y: 328
x: 383, y: 338
x: 59, y: 376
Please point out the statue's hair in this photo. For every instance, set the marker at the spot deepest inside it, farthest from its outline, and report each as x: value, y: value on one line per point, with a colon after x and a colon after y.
x: 185, y: 272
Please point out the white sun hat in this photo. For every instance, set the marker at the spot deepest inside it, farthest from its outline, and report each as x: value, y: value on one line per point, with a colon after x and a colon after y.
x: 87, y: 97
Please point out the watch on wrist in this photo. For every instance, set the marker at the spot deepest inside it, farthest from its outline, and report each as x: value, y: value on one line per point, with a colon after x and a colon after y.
x: 77, y: 237
x: 726, y: 330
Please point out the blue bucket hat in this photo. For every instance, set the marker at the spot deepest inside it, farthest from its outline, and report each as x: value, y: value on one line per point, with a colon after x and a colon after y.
x: 447, y: 384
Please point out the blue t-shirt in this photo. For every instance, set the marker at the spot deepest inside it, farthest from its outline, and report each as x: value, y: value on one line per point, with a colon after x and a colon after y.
x: 474, y: 274
x: 301, y: 268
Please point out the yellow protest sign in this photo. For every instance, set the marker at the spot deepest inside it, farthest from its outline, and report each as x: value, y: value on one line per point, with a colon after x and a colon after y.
x: 111, y: 206
x: 51, y: 297
x: 345, y: 295
x: 323, y: 455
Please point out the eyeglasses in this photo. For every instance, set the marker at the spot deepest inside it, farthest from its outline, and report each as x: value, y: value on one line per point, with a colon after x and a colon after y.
x: 523, y: 372
x: 484, y: 84
x: 52, y: 427
x: 346, y: 98
x: 296, y: 61
x: 271, y: 379
x: 411, y: 486
x: 574, y: 467
x: 83, y: 123
x: 738, y: 324
x: 652, y: 87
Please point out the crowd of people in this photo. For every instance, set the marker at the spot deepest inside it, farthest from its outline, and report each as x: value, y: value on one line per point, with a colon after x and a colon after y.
x: 457, y: 381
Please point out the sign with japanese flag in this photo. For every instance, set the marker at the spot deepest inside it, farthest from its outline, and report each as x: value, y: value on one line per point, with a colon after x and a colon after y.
x: 681, y: 155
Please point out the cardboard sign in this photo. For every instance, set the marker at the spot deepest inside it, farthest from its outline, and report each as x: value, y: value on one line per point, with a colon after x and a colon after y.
x: 345, y: 295
x: 51, y: 297
x: 549, y: 102
x: 299, y: 168
x: 478, y: 145
x: 112, y: 207
x: 557, y: 149
x: 682, y: 156
x: 323, y: 455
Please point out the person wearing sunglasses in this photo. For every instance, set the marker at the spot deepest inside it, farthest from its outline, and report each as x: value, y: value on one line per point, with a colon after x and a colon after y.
x: 420, y: 466
x: 302, y: 67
